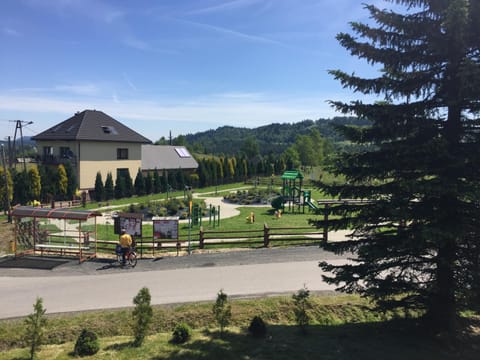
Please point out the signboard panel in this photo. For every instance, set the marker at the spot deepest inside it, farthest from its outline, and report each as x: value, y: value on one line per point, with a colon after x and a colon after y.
x: 165, y: 228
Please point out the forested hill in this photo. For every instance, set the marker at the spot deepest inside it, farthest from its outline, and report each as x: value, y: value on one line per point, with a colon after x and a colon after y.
x: 271, y: 139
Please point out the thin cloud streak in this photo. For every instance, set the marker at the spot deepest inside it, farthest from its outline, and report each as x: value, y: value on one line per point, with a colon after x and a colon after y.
x: 233, y: 33
x: 224, y: 6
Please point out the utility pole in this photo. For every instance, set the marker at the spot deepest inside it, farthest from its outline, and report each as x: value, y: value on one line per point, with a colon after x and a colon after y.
x: 7, y: 200
x: 18, y: 126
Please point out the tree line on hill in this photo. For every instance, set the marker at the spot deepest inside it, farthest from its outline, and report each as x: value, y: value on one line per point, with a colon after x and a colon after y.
x: 273, y: 139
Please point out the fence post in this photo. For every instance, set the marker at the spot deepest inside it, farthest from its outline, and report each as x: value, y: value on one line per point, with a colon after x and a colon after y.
x: 201, y: 238
x: 325, y: 223
x: 266, y: 235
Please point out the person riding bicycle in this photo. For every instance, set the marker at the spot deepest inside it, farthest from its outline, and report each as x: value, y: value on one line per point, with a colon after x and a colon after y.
x: 125, y: 243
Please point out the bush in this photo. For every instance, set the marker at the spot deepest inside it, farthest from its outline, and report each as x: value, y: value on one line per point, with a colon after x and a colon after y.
x: 277, y: 203
x: 257, y: 327
x: 181, y: 333
x: 87, y: 343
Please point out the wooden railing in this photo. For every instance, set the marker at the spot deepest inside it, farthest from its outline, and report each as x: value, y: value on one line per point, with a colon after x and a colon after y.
x: 266, y: 237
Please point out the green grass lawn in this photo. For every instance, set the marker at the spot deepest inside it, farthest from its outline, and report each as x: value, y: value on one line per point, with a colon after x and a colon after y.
x: 342, y: 327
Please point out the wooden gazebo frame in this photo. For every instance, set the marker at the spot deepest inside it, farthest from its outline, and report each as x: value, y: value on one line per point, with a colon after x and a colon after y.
x: 30, y: 239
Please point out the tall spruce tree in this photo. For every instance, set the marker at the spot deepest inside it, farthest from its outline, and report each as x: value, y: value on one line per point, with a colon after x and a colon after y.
x: 417, y: 239
x: 139, y: 183
x: 99, y: 187
x: 109, y: 189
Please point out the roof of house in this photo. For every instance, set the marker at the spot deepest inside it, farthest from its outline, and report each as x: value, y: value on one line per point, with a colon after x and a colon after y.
x: 167, y: 157
x: 92, y: 125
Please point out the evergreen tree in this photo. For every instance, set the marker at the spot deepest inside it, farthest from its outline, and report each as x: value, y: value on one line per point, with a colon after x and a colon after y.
x: 35, y: 324
x: 21, y: 185
x: 222, y: 311
x: 139, y: 183
x: 62, y: 181
x: 180, y: 179
x: 157, y: 182
x: 164, y: 181
x: 419, y: 166
x: 72, y: 184
x: 48, y: 176
x: 109, y: 191
x: 3, y: 189
x: 172, y: 180
x: 149, y: 183
x: 202, y: 173
x: 120, y: 188
x: 142, y: 315
x: 35, y: 183
x: 99, y: 187
x: 128, y: 184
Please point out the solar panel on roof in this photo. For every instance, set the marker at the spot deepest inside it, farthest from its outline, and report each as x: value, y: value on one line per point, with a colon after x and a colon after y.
x: 182, y: 152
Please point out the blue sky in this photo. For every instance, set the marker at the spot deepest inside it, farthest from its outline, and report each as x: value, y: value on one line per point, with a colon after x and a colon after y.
x: 173, y: 65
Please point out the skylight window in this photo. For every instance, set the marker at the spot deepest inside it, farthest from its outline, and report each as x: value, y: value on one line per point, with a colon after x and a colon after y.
x: 109, y: 130
x: 182, y: 152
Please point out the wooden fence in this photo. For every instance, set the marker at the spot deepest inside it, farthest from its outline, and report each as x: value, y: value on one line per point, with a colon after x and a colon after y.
x: 266, y: 237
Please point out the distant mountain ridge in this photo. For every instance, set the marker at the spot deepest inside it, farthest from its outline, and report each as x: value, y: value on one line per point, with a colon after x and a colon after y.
x: 27, y: 140
x: 272, y: 139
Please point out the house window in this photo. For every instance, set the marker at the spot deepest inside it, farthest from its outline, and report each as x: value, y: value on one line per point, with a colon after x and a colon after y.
x: 65, y: 152
x: 47, y: 151
x: 122, y: 154
x: 123, y: 173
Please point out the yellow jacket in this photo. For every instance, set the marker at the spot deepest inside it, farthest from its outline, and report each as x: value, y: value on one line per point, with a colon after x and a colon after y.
x: 125, y: 241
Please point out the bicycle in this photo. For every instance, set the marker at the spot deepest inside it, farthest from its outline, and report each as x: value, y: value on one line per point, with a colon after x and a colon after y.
x: 130, y: 256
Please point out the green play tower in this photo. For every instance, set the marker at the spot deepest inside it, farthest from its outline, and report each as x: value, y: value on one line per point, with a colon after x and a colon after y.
x: 292, y: 189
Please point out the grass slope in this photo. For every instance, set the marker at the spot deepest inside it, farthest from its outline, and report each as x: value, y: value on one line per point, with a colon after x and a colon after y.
x: 343, y: 327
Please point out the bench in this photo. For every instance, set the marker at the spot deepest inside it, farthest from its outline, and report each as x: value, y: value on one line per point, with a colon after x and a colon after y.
x: 62, y: 248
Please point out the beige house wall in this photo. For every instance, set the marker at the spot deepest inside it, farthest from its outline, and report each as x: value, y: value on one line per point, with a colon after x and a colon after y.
x: 89, y: 169
x: 102, y: 157
x: 90, y: 157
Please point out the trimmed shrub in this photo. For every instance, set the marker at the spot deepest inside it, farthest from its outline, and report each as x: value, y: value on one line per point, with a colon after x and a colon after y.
x: 277, y: 203
x: 181, y: 333
x: 257, y: 327
x: 87, y: 343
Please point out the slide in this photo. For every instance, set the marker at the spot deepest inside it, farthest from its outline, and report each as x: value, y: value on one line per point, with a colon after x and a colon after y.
x: 311, y: 205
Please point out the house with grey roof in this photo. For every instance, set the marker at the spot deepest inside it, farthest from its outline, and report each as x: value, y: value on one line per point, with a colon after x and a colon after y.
x: 92, y: 142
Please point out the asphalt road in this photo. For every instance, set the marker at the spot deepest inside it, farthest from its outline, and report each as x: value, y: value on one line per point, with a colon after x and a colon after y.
x: 102, y: 284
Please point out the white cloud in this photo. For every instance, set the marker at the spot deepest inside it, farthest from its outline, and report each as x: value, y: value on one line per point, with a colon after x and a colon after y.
x: 227, y: 109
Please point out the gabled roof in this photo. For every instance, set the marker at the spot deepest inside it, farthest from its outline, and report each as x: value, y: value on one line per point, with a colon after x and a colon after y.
x: 91, y: 125
x: 167, y: 157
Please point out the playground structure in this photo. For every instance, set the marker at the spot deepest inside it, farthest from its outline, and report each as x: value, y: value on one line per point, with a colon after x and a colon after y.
x: 55, y: 231
x: 294, y: 197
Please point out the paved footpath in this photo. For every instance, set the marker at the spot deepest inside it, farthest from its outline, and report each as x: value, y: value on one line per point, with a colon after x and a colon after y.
x: 102, y: 285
